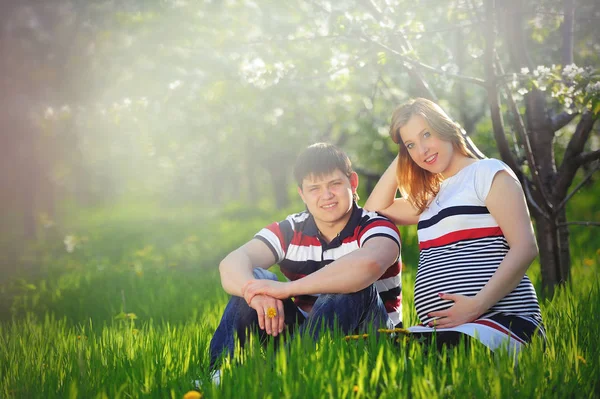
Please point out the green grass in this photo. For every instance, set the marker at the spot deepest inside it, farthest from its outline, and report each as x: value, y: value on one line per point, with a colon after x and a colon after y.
x: 130, y: 312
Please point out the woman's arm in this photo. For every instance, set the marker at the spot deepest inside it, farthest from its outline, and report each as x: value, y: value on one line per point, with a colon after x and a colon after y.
x: 383, y: 199
x: 507, y: 205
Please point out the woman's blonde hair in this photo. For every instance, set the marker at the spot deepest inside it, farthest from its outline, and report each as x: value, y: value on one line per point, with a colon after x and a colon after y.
x: 415, y: 183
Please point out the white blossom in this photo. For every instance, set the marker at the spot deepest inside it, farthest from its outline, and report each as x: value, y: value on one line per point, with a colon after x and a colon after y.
x: 593, y: 88
x: 70, y: 242
x: 175, y: 84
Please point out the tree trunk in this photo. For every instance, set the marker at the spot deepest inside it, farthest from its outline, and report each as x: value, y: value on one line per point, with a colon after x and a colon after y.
x: 280, y: 186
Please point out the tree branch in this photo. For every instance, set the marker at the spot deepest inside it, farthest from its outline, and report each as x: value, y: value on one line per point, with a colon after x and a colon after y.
x: 429, y: 68
x: 569, y: 165
x: 530, y: 200
x: 579, y: 224
x: 424, y: 88
x: 587, y: 157
x: 567, y: 32
x: 561, y: 120
x: 572, y: 193
x: 492, y: 93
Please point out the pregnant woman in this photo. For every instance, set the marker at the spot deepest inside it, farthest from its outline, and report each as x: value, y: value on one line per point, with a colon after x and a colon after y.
x: 476, y: 240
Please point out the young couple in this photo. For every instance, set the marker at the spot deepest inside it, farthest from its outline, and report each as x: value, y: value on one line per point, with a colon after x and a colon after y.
x: 343, y: 262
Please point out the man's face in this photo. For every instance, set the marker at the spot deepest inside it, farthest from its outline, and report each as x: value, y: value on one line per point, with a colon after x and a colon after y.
x: 329, y: 197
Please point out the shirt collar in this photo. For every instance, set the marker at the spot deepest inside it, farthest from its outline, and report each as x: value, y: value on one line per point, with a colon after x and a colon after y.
x: 311, y: 228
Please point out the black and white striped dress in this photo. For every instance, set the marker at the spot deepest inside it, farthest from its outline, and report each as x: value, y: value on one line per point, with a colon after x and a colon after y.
x: 461, y: 246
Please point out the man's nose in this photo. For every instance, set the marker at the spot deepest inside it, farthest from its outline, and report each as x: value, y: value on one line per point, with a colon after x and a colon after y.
x: 328, y: 193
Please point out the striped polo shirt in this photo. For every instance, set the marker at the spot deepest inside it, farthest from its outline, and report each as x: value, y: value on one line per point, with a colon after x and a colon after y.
x: 461, y: 246
x: 300, y: 251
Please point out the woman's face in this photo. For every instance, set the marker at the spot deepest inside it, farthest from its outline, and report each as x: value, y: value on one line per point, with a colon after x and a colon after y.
x: 426, y: 148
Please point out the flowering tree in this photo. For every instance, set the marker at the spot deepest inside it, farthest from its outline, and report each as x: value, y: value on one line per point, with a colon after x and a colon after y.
x: 545, y: 177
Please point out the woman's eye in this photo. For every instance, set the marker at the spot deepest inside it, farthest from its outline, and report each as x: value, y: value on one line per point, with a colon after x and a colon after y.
x: 410, y: 146
x: 426, y: 134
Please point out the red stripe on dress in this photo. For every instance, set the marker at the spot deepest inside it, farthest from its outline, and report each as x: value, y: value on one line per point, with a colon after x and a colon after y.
x: 500, y: 328
x: 460, y: 235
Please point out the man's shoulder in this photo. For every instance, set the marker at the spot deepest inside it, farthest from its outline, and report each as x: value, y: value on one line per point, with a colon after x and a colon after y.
x: 296, y: 221
x: 298, y: 217
x: 368, y: 216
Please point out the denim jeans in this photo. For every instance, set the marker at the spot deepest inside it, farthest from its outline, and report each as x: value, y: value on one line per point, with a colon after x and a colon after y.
x: 351, y: 313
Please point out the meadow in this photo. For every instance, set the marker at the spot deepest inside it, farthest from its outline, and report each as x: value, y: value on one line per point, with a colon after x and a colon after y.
x: 122, y: 302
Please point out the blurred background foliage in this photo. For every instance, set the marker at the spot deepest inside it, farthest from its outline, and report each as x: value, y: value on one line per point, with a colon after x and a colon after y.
x: 203, y: 105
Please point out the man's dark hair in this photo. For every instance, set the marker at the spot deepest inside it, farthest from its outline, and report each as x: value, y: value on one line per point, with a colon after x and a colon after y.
x: 320, y: 159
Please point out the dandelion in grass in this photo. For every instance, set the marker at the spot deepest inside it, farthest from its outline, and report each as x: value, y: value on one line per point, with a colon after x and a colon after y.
x: 355, y: 389
x: 192, y: 395
x: 588, y: 262
x: 355, y: 337
x: 394, y: 331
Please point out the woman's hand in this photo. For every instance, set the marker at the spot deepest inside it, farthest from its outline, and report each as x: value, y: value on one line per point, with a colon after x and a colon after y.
x: 274, y: 289
x: 464, y: 310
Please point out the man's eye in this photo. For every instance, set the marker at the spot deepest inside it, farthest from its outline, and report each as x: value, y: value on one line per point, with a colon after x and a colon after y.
x: 312, y: 189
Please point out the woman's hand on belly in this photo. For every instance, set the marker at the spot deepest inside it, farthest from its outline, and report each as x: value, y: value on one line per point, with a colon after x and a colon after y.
x: 464, y: 310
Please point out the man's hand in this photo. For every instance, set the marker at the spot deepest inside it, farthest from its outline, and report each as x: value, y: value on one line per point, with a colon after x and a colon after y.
x: 464, y: 310
x: 262, y: 303
x: 275, y: 289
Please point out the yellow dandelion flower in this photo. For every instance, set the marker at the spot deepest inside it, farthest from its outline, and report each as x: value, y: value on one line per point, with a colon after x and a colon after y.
x: 588, y: 262
x: 192, y: 395
x: 355, y: 389
x: 79, y: 337
x: 131, y: 316
x: 271, y: 312
x: 393, y: 330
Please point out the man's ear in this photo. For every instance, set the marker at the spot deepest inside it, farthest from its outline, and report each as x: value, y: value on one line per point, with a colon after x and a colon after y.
x: 354, y: 181
x: 301, y: 194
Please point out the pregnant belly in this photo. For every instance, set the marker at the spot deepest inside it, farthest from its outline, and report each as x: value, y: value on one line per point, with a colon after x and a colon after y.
x: 427, y: 292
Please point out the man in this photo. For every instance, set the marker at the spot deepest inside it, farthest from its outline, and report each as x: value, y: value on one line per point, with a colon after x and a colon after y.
x: 342, y: 262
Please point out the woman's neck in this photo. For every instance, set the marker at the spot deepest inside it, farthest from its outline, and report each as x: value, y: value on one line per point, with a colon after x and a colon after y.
x: 458, y: 162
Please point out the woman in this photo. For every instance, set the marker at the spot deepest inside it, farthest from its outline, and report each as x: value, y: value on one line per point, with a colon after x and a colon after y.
x: 476, y: 240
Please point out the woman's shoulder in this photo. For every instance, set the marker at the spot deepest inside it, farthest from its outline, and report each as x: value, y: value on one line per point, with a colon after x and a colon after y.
x: 485, y: 173
x: 491, y: 166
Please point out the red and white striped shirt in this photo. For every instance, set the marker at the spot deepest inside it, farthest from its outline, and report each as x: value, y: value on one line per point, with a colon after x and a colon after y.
x: 300, y: 251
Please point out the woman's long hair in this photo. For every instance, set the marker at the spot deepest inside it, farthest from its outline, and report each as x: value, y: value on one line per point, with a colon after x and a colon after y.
x: 415, y: 183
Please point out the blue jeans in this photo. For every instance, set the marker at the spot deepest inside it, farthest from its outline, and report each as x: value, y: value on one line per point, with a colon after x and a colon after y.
x: 351, y: 313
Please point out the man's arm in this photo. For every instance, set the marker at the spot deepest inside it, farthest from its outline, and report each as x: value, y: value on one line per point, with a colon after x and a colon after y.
x: 236, y: 268
x: 350, y: 273
x: 236, y: 271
